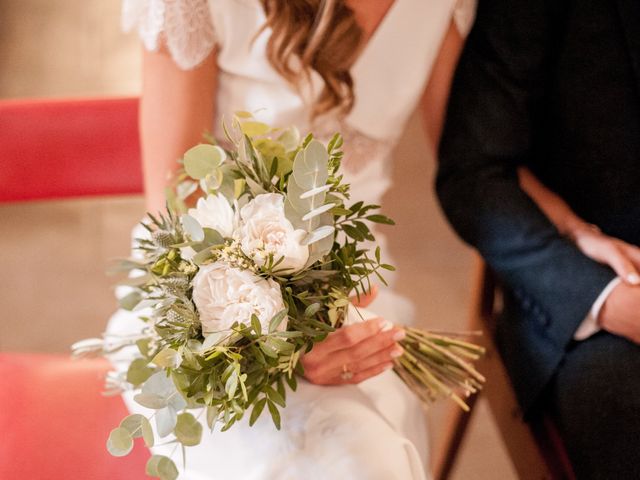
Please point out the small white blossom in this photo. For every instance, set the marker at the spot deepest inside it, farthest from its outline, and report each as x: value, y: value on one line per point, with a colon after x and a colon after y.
x: 265, y: 231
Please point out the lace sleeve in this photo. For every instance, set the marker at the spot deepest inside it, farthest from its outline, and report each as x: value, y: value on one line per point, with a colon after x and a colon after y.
x: 185, y: 26
x: 464, y: 14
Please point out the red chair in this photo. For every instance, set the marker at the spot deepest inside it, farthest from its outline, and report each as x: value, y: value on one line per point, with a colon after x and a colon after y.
x: 59, y: 148
x: 54, y: 422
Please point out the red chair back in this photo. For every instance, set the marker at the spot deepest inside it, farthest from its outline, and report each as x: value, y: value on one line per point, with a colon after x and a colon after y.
x: 68, y: 148
x: 54, y: 422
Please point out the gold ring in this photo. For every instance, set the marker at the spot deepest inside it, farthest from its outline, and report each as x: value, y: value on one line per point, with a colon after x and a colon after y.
x: 346, y: 373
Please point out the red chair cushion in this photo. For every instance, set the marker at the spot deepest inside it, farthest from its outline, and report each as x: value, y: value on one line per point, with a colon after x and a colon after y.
x: 68, y: 148
x: 54, y: 421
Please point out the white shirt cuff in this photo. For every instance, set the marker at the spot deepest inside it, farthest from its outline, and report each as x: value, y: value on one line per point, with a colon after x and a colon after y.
x: 589, y: 325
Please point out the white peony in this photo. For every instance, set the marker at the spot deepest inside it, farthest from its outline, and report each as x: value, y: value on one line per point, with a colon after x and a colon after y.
x: 215, y: 212
x: 265, y: 230
x: 224, y: 295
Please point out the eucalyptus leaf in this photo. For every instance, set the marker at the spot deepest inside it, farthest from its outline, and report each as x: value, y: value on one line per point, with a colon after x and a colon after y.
x: 120, y: 442
x: 202, y: 159
x: 290, y: 139
x: 311, y: 166
x: 167, y: 358
x: 151, y: 400
x: 318, y: 234
x: 138, y: 426
x: 188, y: 430
x: 162, y: 467
x: 166, y: 419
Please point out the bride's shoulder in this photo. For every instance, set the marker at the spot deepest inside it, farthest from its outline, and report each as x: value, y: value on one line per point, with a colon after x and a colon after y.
x: 189, y: 28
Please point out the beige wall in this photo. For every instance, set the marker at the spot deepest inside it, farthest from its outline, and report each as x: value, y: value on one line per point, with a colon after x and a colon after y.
x: 53, y: 289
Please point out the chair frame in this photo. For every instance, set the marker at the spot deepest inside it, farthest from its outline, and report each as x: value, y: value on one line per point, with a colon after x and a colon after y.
x: 535, y: 449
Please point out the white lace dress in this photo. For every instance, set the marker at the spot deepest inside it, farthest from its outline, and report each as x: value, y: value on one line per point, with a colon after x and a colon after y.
x: 375, y: 430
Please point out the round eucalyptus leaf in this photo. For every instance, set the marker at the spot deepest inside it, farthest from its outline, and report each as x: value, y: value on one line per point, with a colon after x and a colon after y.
x: 139, y: 371
x: 311, y: 166
x: 120, y: 442
x: 166, y: 419
x: 294, y: 195
x: 192, y: 227
x: 151, y: 400
x: 162, y: 467
x: 188, y: 430
x: 293, y: 215
x: 133, y: 424
x: 167, y: 470
x: 202, y: 159
x: 147, y: 433
x: 167, y: 358
x: 253, y: 128
x: 290, y: 139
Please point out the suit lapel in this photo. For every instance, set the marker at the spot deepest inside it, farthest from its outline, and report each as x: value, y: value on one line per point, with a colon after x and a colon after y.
x: 629, y: 11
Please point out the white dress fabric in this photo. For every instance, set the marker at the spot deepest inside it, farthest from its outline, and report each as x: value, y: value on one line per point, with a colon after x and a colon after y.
x: 377, y: 429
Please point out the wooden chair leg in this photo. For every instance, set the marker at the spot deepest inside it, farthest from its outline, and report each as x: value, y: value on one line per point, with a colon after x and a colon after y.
x: 524, y: 451
x: 455, y: 429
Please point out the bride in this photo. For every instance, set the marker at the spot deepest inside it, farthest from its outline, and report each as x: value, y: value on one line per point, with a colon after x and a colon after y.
x: 354, y: 66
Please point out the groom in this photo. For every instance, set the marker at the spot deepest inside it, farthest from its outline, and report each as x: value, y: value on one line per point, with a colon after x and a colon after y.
x: 555, y: 86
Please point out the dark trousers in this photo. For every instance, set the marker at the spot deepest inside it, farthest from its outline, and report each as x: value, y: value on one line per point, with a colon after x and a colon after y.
x: 595, y: 398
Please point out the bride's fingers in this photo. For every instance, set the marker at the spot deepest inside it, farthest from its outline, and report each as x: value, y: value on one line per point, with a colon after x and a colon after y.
x: 367, y: 374
x: 366, y: 299
x: 379, y: 358
x: 331, y: 365
x: 351, y: 335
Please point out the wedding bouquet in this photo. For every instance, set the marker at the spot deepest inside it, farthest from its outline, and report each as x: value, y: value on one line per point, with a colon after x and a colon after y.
x: 236, y: 289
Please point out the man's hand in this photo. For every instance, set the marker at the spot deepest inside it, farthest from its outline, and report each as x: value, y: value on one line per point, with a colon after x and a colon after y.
x: 620, y: 313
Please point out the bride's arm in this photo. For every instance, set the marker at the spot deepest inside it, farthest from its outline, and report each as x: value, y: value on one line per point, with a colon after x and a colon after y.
x: 176, y: 108
x: 436, y: 94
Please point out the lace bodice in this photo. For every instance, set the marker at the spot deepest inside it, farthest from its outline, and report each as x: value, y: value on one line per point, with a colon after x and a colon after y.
x: 389, y: 75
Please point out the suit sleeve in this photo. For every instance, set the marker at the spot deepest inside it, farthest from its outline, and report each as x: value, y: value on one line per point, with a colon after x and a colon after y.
x: 495, y: 111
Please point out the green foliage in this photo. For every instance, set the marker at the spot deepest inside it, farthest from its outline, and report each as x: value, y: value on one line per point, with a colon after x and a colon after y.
x: 249, y: 367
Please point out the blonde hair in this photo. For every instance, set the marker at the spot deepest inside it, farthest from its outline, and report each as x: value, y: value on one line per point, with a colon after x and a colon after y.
x: 320, y: 35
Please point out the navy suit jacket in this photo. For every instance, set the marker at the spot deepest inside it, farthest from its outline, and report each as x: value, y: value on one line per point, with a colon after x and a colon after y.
x: 553, y: 85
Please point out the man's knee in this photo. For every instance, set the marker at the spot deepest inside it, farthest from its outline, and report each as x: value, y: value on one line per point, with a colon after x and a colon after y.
x: 595, y: 397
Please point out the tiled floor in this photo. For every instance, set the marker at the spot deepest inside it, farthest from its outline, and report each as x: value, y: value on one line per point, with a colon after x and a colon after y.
x: 53, y: 289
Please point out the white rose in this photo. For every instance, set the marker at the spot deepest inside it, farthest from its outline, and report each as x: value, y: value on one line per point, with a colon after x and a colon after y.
x: 265, y: 230
x: 224, y: 295
x: 215, y: 212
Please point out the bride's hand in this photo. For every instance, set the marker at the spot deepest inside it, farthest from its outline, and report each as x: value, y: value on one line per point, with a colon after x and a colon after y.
x: 352, y: 354
x: 622, y: 257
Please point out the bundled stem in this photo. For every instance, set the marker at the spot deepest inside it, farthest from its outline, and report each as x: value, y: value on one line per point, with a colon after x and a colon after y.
x: 436, y: 366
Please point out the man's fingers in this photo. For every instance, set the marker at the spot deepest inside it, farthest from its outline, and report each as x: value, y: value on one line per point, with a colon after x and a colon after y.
x: 622, y: 265
x: 633, y: 254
